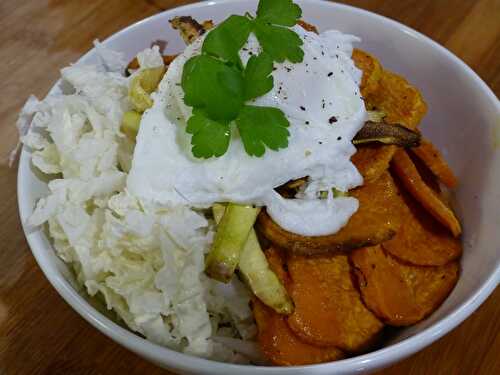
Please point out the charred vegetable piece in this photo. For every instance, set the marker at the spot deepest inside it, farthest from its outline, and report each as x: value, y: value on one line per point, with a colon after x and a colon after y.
x: 130, y: 124
x: 143, y: 84
x: 401, y: 294
x: 231, y: 236
x: 255, y: 269
x: 390, y: 134
x: 189, y: 28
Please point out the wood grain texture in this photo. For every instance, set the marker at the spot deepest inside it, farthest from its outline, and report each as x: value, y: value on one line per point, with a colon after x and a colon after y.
x: 39, y: 332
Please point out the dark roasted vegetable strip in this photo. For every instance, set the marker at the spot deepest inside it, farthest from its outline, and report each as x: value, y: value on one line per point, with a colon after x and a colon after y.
x: 389, y: 134
x: 189, y: 28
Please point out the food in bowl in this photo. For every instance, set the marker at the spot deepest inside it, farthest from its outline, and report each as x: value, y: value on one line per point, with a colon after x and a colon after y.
x: 161, y: 176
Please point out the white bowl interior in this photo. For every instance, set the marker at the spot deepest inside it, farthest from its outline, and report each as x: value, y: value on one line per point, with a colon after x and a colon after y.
x: 463, y: 121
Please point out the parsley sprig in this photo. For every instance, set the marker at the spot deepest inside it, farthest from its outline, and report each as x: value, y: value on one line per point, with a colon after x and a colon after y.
x: 217, y: 85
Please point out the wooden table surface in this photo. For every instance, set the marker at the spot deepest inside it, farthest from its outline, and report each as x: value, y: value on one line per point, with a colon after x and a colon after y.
x: 39, y: 332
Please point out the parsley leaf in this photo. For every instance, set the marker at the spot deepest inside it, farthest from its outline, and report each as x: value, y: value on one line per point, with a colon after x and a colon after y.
x: 210, y: 138
x: 279, y: 12
x: 210, y: 84
x: 262, y: 126
x: 279, y: 42
x: 258, y: 78
x: 226, y: 40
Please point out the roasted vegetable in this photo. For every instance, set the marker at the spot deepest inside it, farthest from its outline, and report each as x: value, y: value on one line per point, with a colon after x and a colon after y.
x: 422, y: 240
x: 377, y: 220
x: 189, y: 28
x: 232, y: 234
x: 372, y: 71
x: 328, y: 307
x: 130, y: 124
x: 434, y: 160
x: 381, y: 132
x: 373, y: 160
x: 277, y: 341
x: 143, y: 84
x: 400, y: 102
x: 428, y: 198
x: 398, y: 293
x: 254, y: 268
x: 281, y: 346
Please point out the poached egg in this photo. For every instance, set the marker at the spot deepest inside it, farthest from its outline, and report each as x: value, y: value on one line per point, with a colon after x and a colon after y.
x: 321, y: 99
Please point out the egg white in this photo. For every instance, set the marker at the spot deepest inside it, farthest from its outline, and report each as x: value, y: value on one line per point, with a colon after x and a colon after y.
x: 320, y: 97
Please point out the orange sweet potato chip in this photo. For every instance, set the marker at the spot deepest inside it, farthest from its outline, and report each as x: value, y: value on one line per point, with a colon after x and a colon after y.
x: 277, y: 341
x: 373, y: 160
x: 402, y: 103
x: 434, y: 160
x: 428, y: 198
x: 397, y: 293
x: 328, y: 307
x: 372, y: 71
x: 377, y: 219
x: 281, y: 346
x: 421, y: 240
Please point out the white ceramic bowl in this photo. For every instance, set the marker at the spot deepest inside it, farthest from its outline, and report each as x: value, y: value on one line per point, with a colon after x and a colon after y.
x: 463, y: 121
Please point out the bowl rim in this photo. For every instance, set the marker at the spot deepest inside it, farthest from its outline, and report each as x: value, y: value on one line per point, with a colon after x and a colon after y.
x: 185, y: 362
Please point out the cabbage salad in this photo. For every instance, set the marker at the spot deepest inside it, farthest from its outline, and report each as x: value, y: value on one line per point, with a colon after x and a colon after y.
x: 145, y: 262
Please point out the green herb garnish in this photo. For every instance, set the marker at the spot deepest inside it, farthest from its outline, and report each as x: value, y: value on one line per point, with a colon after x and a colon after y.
x: 217, y: 85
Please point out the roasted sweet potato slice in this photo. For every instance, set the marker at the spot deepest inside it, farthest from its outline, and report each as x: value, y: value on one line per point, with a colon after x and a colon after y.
x: 277, y: 341
x: 373, y: 160
x: 402, y: 102
x: 434, y: 160
x: 328, y: 307
x: 428, y: 198
x: 422, y: 240
x: 377, y: 220
x: 372, y: 71
x: 397, y: 293
x: 281, y: 346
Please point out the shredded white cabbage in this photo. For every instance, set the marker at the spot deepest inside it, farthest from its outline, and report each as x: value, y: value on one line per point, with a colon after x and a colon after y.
x: 146, y: 262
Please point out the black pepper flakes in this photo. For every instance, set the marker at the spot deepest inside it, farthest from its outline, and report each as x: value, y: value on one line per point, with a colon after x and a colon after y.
x: 339, y: 138
x: 332, y: 119
x: 302, y: 108
x: 307, y: 122
x: 320, y: 142
x: 330, y: 74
